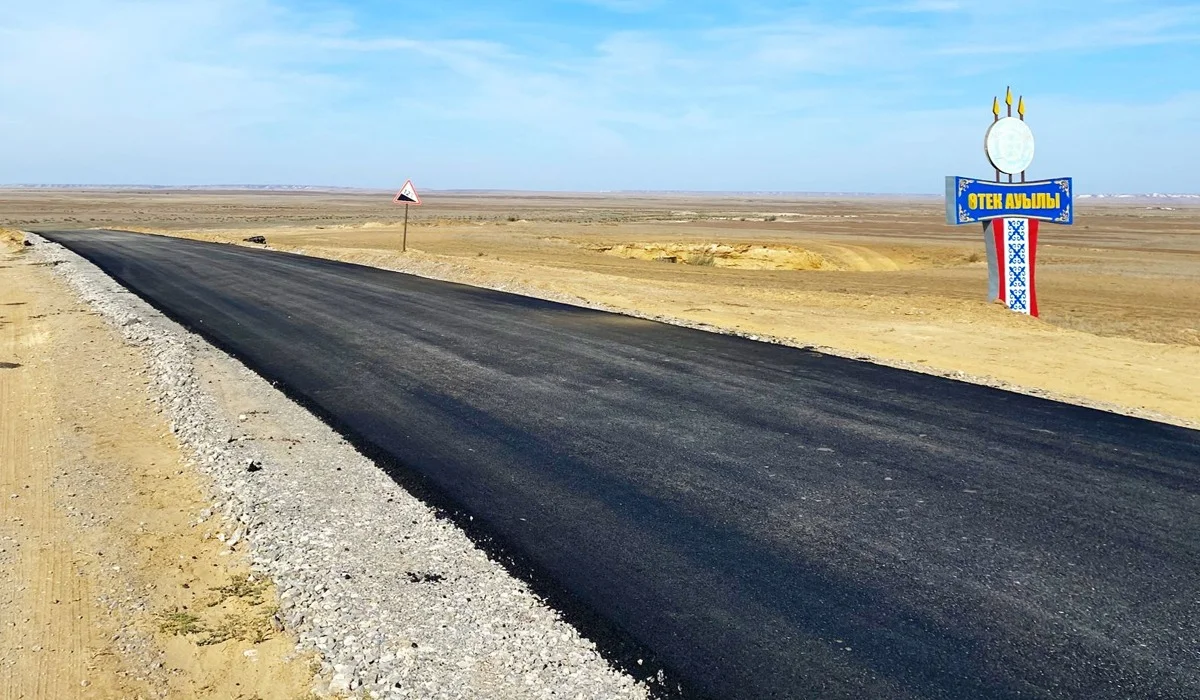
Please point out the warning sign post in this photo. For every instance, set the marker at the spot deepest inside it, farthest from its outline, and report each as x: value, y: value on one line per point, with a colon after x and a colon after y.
x: 408, y: 197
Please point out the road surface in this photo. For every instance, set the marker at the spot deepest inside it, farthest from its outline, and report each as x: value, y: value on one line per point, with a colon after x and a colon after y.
x: 765, y: 521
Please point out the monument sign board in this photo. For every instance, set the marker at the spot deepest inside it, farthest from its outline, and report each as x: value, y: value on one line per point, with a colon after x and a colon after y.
x: 1010, y: 211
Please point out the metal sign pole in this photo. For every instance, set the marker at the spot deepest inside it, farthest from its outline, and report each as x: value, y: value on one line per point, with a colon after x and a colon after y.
x: 404, y: 241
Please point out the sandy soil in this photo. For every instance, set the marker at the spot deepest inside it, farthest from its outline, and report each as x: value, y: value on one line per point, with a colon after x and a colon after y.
x: 873, y: 277
x: 113, y: 582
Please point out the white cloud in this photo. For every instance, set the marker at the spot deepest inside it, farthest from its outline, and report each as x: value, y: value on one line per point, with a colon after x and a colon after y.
x: 1176, y: 25
x: 199, y: 90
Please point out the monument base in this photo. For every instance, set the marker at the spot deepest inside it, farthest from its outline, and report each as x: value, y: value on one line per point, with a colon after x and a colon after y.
x: 1011, y: 245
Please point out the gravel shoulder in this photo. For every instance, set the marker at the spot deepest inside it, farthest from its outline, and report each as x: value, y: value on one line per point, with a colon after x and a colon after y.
x: 116, y: 580
x: 394, y: 601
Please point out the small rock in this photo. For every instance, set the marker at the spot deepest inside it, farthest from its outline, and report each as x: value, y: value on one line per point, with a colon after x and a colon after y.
x: 252, y: 466
x: 256, y: 239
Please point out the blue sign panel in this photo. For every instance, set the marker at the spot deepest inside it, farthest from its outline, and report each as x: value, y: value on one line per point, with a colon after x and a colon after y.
x: 969, y: 200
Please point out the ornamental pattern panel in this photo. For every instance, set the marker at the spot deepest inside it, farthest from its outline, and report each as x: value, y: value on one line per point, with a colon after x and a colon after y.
x: 1015, y: 265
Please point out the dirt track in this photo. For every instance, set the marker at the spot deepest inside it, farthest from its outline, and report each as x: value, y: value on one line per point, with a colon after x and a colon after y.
x: 110, y: 584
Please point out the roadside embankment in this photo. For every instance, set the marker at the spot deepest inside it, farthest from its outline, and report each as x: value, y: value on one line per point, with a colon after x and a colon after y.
x: 117, y: 579
x: 395, y: 601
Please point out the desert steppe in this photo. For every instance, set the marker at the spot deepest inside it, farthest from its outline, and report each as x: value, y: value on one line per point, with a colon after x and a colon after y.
x: 873, y: 277
x: 143, y: 598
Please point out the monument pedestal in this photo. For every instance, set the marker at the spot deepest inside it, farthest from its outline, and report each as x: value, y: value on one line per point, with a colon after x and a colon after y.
x: 1012, y: 262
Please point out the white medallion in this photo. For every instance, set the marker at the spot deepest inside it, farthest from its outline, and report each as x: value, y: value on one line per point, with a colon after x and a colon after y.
x: 1009, y: 145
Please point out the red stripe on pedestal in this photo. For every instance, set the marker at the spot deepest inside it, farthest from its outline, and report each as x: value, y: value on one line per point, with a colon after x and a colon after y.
x: 998, y: 227
x: 1033, y: 236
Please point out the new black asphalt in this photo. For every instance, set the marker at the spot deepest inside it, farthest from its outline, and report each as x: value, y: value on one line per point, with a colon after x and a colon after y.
x: 768, y: 522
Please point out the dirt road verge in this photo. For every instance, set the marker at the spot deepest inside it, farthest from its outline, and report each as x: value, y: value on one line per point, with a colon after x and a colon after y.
x: 397, y: 601
x: 114, y: 579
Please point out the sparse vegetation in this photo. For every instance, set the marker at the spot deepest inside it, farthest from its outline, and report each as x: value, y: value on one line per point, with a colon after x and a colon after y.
x: 241, y: 586
x: 255, y: 629
x: 179, y: 622
x: 702, y: 258
x: 254, y: 626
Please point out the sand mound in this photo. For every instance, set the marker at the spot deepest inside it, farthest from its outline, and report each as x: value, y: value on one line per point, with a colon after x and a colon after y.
x: 755, y: 257
x: 758, y: 256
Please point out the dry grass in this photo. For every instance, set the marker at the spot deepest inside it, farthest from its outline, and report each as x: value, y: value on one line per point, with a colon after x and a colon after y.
x: 241, y: 586
x: 252, y: 628
x: 236, y: 611
x: 179, y: 622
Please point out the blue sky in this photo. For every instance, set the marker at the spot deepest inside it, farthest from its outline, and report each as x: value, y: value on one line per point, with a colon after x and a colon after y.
x: 594, y: 94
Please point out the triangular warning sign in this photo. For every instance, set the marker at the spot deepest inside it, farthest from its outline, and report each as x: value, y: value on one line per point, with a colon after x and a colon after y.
x: 408, y: 195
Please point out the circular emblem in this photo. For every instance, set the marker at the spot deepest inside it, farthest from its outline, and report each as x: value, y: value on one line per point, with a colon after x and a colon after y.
x: 1009, y: 145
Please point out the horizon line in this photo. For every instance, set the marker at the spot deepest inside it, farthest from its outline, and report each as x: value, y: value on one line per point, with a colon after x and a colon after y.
x: 491, y: 191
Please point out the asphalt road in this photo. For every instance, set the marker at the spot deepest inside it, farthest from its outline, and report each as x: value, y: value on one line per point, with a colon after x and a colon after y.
x: 768, y: 522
